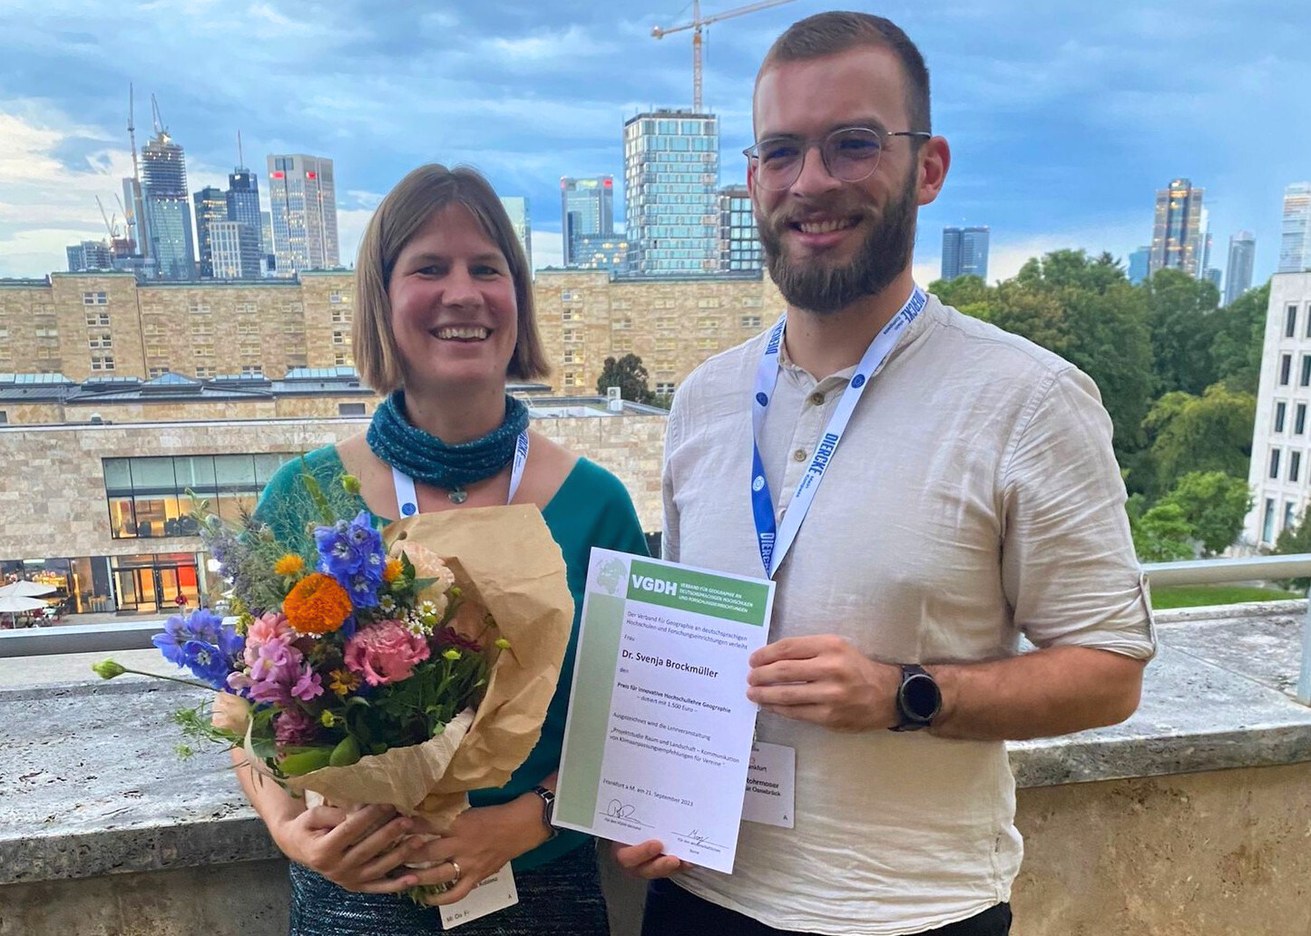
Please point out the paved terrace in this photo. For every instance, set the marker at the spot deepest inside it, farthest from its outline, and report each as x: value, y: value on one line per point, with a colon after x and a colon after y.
x: 1192, y: 817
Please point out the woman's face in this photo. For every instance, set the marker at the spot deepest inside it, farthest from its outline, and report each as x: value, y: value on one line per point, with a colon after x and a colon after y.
x: 454, y: 314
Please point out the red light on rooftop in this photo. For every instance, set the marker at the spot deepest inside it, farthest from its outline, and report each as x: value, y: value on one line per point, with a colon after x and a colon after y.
x: 608, y: 183
x: 279, y: 174
x: 311, y: 175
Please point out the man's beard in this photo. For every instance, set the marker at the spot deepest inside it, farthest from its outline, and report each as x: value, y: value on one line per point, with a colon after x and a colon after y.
x: 818, y: 286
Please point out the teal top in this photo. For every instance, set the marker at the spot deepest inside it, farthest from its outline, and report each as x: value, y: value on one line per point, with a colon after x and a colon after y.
x: 592, y: 508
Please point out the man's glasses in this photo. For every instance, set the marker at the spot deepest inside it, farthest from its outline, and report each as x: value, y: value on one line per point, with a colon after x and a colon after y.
x: 850, y: 154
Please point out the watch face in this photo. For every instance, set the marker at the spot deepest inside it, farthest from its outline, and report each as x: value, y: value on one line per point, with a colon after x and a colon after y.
x: 920, y: 697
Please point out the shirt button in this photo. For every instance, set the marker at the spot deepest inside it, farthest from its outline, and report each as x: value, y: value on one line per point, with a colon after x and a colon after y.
x: 799, y: 455
x: 817, y: 398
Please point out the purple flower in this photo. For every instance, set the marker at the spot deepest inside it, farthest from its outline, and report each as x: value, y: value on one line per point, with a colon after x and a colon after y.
x: 353, y: 554
x: 294, y: 726
x: 308, y: 685
x: 202, y: 643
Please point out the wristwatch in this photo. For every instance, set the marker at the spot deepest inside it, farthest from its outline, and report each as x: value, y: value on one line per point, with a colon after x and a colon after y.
x: 918, y: 698
x: 548, y: 809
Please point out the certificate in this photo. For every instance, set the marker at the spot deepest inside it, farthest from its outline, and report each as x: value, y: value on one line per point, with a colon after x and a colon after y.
x: 659, y: 734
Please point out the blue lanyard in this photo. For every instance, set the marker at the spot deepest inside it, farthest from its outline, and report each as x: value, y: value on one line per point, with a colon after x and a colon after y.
x: 407, y: 498
x: 775, y: 541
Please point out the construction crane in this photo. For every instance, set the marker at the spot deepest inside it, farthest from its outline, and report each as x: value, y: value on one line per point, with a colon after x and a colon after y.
x: 110, y: 226
x: 697, y: 24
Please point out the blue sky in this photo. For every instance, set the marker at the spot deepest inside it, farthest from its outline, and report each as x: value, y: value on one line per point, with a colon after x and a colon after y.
x: 1064, y: 118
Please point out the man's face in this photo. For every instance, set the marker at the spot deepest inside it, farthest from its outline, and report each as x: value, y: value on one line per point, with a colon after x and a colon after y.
x: 829, y: 243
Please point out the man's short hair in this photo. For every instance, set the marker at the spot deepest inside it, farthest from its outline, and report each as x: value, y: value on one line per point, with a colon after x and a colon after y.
x: 416, y: 198
x: 831, y: 33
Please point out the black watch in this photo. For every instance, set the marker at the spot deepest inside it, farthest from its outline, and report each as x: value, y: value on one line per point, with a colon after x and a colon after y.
x: 918, y: 699
x: 548, y: 809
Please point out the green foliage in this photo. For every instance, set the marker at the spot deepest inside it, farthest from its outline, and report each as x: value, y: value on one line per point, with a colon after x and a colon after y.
x: 628, y: 374
x: 1236, y: 347
x: 1212, y: 432
x: 1163, y: 534
x: 1292, y: 540
x: 1192, y: 596
x: 1213, y: 504
x: 1181, y: 314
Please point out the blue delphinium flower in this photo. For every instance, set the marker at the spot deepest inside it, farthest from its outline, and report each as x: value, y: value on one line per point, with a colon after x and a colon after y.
x: 353, y: 554
x: 202, y: 643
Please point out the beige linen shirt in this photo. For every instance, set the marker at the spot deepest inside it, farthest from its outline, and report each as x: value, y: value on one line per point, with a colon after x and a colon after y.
x: 974, y: 498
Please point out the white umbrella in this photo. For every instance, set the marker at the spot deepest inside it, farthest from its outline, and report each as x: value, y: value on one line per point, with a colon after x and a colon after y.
x: 17, y: 604
x: 26, y: 589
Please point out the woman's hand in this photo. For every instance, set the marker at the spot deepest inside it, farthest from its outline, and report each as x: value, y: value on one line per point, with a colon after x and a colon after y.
x: 645, y: 860
x: 479, y: 843
x: 356, y: 850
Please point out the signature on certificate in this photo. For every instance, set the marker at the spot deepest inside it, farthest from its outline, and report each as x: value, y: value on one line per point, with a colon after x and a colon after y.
x: 699, y: 839
x: 618, y: 810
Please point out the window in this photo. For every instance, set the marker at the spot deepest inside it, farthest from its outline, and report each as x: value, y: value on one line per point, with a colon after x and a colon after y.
x: 245, y: 308
x: 706, y: 322
x: 338, y: 338
x: 341, y: 316
x: 1308, y: 326
x: 1299, y: 419
x: 572, y: 357
x: 335, y: 297
x: 572, y: 334
x: 1306, y: 371
x: 94, y: 299
x: 752, y: 302
x: 1289, y: 516
x: 569, y: 315
x: 1268, y: 521
x: 47, y: 332
x: 1274, y: 464
x: 1280, y: 410
x: 157, y: 372
x: 102, y: 362
x: 1285, y: 367
x: 252, y: 370
x: 665, y: 388
x: 4, y: 417
x: 568, y: 295
x: 198, y: 307
x: 205, y: 372
x: 1294, y: 465
x: 571, y: 379
x: 339, y: 359
x: 621, y: 323
x: 706, y: 344
x: 707, y: 303
x: 351, y: 409
x: 666, y: 322
x: 95, y: 319
x: 99, y: 342
x: 147, y: 497
x: 247, y: 328
x: 750, y: 321
x: 1290, y: 322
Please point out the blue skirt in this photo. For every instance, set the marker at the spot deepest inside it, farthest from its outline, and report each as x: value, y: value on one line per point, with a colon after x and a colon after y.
x: 562, y: 898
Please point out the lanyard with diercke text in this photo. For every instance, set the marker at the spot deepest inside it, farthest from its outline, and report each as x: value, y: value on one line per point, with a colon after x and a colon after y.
x: 775, y: 541
x: 407, y: 498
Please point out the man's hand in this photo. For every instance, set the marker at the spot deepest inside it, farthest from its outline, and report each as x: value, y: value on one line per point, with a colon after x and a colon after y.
x: 825, y: 680
x: 645, y: 860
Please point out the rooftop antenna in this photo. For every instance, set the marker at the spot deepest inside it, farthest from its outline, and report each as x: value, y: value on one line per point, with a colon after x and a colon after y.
x: 241, y: 160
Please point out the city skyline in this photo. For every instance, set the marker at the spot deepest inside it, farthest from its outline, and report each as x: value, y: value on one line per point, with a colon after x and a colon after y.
x: 1064, y: 121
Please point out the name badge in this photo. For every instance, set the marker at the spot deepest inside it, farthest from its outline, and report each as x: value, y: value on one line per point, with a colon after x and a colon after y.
x: 489, y: 895
x: 771, y: 785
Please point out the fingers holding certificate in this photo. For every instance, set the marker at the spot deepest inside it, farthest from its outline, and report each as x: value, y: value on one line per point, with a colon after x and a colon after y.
x: 659, y: 734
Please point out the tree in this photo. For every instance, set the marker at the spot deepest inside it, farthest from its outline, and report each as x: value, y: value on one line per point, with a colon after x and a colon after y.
x: 628, y: 374
x: 1293, y: 540
x: 1212, y: 432
x: 1236, y: 346
x: 1181, y: 314
x: 1163, y: 534
x: 1214, y: 505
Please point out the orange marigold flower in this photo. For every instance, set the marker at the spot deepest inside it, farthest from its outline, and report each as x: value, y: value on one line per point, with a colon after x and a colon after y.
x: 392, y: 571
x: 343, y: 681
x: 317, y: 605
x: 290, y: 564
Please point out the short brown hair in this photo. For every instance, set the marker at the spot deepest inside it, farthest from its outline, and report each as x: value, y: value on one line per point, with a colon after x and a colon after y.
x: 407, y: 208
x: 826, y: 34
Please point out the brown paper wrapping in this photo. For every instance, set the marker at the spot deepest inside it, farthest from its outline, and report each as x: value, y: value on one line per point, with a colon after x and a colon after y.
x: 505, y: 560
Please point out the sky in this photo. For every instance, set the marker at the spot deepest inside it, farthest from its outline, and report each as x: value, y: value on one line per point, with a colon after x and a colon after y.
x: 1064, y: 118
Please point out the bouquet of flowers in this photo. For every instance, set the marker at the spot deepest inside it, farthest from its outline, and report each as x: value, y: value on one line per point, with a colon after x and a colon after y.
x: 402, y: 667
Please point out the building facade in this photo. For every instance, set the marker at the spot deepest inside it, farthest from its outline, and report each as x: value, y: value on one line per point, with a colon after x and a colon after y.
x: 227, y: 244
x: 1238, y: 271
x: 1140, y: 265
x: 167, y: 205
x: 965, y: 252
x: 671, y: 192
x: 243, y: 209
x: 88, y: 255
x: 739, y: 244
x: 1281, y: 434
x: 598, y: 252
x: 1177, y: 231
x: 521, y: 220
x: 303, y: 199
x: 1295, y: 229
x: 211, y: 208
x: 587, y: 209
x: 102, y: 511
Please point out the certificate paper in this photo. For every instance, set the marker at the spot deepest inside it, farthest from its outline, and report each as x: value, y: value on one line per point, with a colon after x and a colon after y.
x: 659, y: 733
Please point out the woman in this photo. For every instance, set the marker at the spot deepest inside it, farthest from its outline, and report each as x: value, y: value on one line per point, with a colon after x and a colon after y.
x: 444, y: 316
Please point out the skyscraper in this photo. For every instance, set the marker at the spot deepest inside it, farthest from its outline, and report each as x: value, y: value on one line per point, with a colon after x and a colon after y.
x: 1177, y: 232
x: 671, y: 191
x: 243, y: 209
x: 587, y: 209
x: 227, y: 241
x: 1295, y: 233
x: 167, y: 208
x: 517, y: 208
x: 211, y: 208
x: 1238, y: 272
x: 1140, y: 265
x: 739, y: 247
x: 303, y: 196
x: 965, y: 252
x: 88, y: 255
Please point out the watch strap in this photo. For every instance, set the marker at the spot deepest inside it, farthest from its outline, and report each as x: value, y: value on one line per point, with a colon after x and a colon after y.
x: 548, y: 809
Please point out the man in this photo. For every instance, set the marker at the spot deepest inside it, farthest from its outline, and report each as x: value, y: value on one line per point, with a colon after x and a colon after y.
x: 955, y: 487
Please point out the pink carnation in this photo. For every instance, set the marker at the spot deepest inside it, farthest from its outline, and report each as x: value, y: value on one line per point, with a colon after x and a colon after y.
x: 385, y: 652
x: 294, y: 726
x: 269, y: 626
